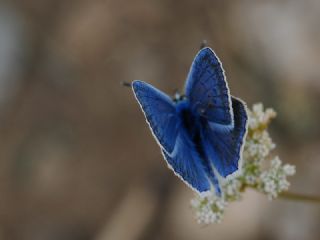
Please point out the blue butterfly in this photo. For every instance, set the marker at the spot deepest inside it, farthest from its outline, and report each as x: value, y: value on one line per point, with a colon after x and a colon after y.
x: 201, y: 134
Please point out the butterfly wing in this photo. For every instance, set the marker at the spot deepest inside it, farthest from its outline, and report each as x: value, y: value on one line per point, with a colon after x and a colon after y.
x: 160, y: 114
x: 177, y: 148
x: 207, y: 89
x: 223, y: 145
x: 187, y: 165
x: 225, y: 120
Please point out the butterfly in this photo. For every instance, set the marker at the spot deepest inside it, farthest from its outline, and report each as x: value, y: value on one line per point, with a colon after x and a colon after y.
x: 201, y: 133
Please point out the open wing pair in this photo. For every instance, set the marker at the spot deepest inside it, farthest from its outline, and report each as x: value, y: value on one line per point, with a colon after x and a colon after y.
x: 222, y: 130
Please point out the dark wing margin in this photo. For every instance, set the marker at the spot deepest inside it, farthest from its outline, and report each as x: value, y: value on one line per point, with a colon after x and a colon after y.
x: 207, y: 90
x: 160, y: 114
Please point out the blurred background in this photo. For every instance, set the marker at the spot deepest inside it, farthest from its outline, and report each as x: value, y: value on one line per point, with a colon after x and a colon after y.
x: 77, y: 160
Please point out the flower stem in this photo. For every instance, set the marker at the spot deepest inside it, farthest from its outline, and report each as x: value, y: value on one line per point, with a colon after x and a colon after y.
x: 299, y: 197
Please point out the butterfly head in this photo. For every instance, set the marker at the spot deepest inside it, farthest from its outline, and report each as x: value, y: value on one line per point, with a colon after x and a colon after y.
x: 177, y: 97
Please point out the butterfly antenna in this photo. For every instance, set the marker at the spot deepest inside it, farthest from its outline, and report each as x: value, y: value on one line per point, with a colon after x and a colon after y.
x: 126, y: 84
x: 203, y: 44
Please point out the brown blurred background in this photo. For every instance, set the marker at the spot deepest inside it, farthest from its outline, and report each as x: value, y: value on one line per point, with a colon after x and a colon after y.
x: 77, y: 160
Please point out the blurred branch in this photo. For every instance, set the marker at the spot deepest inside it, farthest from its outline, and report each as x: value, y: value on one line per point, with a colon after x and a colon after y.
x: 162, y: 188
x: 130, y: 217
x: 141, y: 213
x: 300, y: 197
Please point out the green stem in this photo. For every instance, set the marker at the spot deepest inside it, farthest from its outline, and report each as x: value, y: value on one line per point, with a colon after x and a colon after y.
x: 300, y: 197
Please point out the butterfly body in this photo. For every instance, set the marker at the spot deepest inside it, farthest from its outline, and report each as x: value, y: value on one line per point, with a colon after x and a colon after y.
x: 189, y: 119
x: 200, y: 134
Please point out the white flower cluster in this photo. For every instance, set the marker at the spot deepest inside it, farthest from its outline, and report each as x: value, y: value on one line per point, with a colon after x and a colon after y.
x: 274, y: 180
x: 210, y: 209
x: 258, y: 143
x: 270, y: 180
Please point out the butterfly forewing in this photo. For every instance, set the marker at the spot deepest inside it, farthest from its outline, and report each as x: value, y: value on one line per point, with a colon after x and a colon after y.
x: 224, y: 126
x: 160, y: 113
x: 207, y: 90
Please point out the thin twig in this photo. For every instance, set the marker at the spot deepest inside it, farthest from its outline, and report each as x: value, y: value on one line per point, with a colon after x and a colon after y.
x: 126, y: 84
x: 300, y: 197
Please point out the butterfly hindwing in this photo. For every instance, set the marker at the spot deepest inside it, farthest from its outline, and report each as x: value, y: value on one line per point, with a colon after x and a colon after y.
x: 187, y: 164
x: 223, y: 145
x: 207, y: 90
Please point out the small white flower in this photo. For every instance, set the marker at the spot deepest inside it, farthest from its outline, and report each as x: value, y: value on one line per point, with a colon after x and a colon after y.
x: 270, y: 181
x: 270, y: 188
x: 209, y: 209
x: 250, y: 179
x: 258, y: 109
x: 289, y: 170
x: 276, y: 163
x: 231, y: 189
